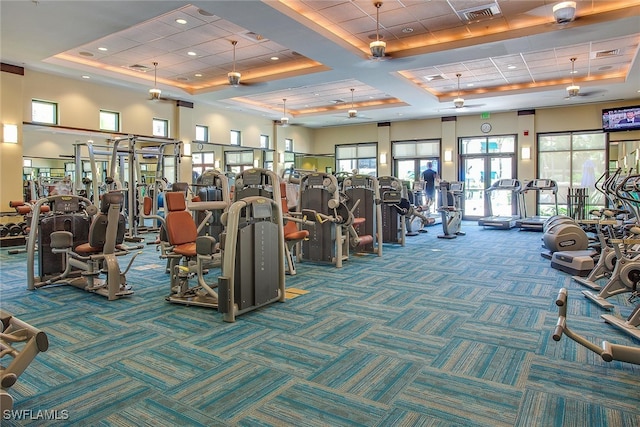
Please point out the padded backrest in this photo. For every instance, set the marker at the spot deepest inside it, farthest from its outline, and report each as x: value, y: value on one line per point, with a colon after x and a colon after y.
x: 112, y: 197
x: 289, y: 226
x: 181, y: 228
x: 98, y: 228
x: 175, y: 201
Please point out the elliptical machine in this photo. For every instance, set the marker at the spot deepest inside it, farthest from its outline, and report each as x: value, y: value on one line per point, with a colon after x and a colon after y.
x: 451, y: 209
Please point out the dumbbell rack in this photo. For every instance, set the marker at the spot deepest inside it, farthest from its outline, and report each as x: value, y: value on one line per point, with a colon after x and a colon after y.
x: 12, y: 233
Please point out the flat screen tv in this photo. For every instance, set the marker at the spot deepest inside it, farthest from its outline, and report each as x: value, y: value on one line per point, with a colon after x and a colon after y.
x: 622, y: 118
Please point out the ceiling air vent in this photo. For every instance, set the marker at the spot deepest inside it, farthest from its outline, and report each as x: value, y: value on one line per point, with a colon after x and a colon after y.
x: 434, y: 77
x: 139, y: 68
x: 254, y: 37
x: 605, y: 53
x: 479, y: 12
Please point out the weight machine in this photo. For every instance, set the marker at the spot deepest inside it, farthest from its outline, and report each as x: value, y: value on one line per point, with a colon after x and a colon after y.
x: 363, y: 200
x: 63, y: 259
x: 319, y: 201
x: 253, y: 273
x: 392, y: 194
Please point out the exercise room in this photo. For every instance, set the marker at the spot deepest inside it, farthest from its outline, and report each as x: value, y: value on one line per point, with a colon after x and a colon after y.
x: 320, y: 213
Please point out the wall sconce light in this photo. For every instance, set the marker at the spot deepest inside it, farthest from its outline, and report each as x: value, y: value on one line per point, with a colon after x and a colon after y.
x: 187, y: 149
x: 256, y: 163
x: 216, y: 164
x: 525, y: 153
x: 281, y: 157
x: 383, y: 158
x: 448, y: 156
x: 10, y: 133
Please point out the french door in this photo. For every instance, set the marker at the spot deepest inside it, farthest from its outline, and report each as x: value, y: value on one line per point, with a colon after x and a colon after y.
x: 478, y: 173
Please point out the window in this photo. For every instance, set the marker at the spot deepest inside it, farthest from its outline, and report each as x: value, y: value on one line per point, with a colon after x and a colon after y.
x: 264, y: 141
x: 361, y: 157
x: 235, y: 137
x: 44, y: 112
x: 268, y: 160
x: 202, y: 133
x: 238, y: 161
x: 573, y: 160
x: 109, y: 120
x: 161, y: 127
x: 485, y: 145
x: 201, y: 162
x: 288, y: 144
x: 415, y: 149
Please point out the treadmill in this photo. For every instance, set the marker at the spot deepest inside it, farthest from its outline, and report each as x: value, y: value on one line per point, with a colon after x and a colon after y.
x: 503, y: 186
x: 536, y: 222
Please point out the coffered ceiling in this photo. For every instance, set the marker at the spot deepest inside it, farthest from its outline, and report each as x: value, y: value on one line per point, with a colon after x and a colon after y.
x: 510, y: 54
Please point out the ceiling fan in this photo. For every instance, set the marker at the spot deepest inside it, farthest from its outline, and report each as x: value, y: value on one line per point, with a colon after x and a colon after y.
x: 573, y: 90
x: 458, y: 102
x: 155, y: 94
x: 353, y: 113
x: 378, y: 46
x: 284, y: 120
x: 234, y: 76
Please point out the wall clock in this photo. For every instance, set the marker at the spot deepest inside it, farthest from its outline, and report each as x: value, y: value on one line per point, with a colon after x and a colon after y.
x: 485, y: 127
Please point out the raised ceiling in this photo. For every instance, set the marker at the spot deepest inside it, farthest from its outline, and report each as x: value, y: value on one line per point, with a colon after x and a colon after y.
x: 510, y: 54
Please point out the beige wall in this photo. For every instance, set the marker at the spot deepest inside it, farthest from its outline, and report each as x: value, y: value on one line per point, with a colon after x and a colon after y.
x: 11, y: 86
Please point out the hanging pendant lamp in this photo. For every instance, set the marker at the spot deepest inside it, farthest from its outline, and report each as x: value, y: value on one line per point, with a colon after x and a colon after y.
x: 155, y: 92
x: 377, y: 47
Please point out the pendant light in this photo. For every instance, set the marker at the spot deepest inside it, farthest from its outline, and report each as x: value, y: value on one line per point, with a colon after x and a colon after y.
x: 352, y: 112
x: 458, y: 102
x: 155, y: 92
x: 574, y: 89
x: 234, y: 76
x: 284, y: 121
x: 377, y: 47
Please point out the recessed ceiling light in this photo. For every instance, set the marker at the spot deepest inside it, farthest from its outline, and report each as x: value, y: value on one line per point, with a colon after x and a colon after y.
x: 573, y: 72
x: 274, y: 58
x: 198, y: 75
x: 511, y: 67
x: 86, y: 77
x: 407, y: 30
x: 104, y: 49
x: 470, y: 84
x: 181, y: 21
x: 191, y: 53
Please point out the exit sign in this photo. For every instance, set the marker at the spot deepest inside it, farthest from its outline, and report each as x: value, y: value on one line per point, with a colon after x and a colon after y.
x: 485, y: 115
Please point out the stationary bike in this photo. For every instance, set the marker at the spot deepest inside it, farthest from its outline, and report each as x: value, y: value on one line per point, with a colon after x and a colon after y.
x: 451, y: 209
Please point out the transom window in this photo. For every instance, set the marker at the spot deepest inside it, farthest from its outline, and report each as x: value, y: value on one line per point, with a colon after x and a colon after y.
x: 44, y: 112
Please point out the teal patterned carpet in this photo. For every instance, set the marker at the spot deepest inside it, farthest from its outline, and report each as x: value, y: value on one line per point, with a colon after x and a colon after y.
x: 436, y: 333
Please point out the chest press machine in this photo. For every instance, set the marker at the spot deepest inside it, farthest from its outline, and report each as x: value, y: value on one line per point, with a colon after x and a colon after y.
x: 81, y: 264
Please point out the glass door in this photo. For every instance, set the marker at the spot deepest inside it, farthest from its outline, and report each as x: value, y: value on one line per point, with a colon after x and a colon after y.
x: 410, y: 170
x: 479, y: 172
